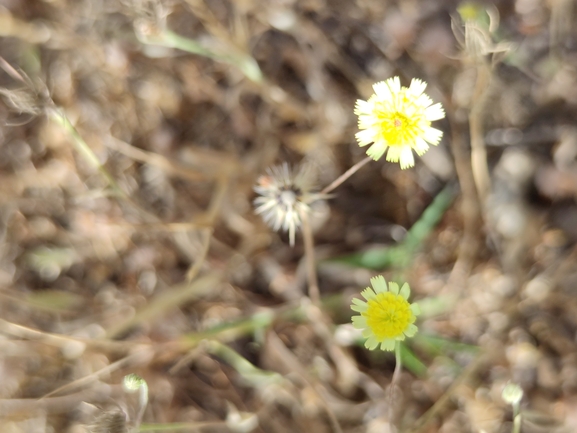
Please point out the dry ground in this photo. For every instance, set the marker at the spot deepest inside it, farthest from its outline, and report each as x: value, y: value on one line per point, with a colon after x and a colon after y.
x: 133, y: 132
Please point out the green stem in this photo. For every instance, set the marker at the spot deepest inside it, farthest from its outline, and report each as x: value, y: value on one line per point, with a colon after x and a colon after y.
x: 142, y: 401
x: 58, y: 116
x: 243, y: 61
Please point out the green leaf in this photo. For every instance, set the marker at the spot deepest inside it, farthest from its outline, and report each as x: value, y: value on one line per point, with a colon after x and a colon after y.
x: 400, y: 256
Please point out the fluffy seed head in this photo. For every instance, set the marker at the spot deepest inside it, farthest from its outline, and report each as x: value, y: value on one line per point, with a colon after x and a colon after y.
x: 284, y: 197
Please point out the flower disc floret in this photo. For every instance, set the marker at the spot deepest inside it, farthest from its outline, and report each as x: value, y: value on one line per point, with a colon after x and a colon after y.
x: 386, y: 316
x: 397, y: 120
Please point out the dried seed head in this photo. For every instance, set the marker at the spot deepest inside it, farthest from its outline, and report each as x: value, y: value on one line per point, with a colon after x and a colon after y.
x: 113, y: 421
x: 284, y: 196
x: 32, y: 99
x: 23, y: 101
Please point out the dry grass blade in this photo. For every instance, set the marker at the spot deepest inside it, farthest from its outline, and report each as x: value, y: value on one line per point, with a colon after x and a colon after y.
x: 440, y: 405
x: 293, y: 364
x: 177, y: 295
x: 139, y: 357
x: 172, y: 168
x: 14, y: 408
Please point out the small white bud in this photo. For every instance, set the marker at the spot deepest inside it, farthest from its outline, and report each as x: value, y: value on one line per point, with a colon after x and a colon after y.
x: 512, y: 393
x: 132, y: 382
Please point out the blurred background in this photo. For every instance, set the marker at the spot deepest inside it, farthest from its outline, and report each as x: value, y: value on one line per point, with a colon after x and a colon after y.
x: 132, y: 134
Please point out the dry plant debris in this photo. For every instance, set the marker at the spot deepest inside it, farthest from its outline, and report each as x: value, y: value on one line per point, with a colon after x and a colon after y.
x: 140, y: 290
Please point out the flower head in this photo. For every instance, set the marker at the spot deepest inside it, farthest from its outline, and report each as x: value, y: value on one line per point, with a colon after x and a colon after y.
x: 387, y: 316
x: 398, y: 119
x: 284, y: 197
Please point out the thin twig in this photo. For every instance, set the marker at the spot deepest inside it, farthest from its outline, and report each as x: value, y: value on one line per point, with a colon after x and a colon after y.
x: 26, y: 407
x: 211, y: 215
x: 170, y: 167
x: 195, y: 268
x: 10, y: 70
x: 470, y: 207
x: 346, y: 175
x: 61, y: 341
x: 172, y: 298
x: 181, y: 426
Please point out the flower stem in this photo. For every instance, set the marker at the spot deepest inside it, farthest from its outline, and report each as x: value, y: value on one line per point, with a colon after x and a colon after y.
x: 346, y: 175
x: 310, y: 259
x: 397, y: 372
x: 516, y: 419
x: 395, y: 379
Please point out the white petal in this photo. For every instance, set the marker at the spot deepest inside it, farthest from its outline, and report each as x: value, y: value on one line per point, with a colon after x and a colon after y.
x: 359, y: 322
x: 363, y: 107
x: 388, y: 345
x: 371, y: 343
x: 358, y: 305
x: 394, y: 288
x: 379, y: 284
x: 411, y: 331
x: 394, y: 84
x: 365, y: 137
x: 393, y: 154
x: 420, y: 146
x: 405, y: 291
x: 434, y: 112
x: 423, y: 101
x: 382, y: 91
x: 417, y: 87
x: 407, y: 159
x: 415, y: 309
x: 368, y: 294
x: 433, y: 135
x: 369, y: 122
x: 377, y: 150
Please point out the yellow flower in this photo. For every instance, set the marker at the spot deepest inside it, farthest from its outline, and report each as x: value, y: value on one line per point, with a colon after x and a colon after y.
x: 387, y: 316
x: 398, y: 119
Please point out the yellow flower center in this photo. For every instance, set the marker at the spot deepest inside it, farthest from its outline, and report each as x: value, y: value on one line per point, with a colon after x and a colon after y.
x: 401, y: 123
x: 388, y: 315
